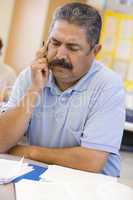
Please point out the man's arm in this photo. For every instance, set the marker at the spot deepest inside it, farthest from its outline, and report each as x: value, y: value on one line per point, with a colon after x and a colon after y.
x: 75, y: 157
x: 13, y: 123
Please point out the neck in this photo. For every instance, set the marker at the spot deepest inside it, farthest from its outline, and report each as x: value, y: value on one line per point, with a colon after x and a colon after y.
x: 63, y: 85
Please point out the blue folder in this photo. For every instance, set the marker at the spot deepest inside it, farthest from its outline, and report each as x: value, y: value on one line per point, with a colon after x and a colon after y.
x: 33, y: 175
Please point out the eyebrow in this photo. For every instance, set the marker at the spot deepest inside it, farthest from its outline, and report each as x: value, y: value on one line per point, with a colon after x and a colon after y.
x: 55, y: 40
x: 68, y: 44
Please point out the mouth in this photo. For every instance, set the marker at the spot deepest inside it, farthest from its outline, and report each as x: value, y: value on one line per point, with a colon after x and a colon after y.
x: 60, y: 72
x: 58, y: 69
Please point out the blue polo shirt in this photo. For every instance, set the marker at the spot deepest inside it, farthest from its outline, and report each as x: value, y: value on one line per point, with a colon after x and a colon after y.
x: 90, y: 114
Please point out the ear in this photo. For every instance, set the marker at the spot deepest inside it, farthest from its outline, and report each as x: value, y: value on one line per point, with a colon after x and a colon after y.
x: 97, y: 49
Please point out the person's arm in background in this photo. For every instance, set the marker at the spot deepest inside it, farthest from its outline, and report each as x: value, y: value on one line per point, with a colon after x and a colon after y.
x: 13, y: 123
x: 4, y: 95
x: 10, y: 80
x: 7, y: 78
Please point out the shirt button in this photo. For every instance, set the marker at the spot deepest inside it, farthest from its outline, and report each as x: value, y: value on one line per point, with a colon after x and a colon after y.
x: 63, y: 100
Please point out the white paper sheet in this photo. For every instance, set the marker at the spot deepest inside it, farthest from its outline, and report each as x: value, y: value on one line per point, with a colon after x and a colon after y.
x: 9, y: 170
x: 33, y: 190
x: 59, y: 173
x: 107, y: 190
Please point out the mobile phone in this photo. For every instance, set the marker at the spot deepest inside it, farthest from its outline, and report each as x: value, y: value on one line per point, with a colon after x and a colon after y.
x: 45, y: 55
x: 43, y: 44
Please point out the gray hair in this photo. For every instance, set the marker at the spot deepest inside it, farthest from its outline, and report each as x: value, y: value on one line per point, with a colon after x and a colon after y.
x: 82, y: 15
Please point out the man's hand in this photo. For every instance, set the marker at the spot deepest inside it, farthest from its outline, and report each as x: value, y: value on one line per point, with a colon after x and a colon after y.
x: 39, y: 70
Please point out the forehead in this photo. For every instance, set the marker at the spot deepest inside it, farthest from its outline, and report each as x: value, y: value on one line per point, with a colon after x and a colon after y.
x: 64, y: 31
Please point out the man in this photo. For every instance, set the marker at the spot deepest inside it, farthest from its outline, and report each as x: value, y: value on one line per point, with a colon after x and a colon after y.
x: 71, y: 106
x: 7, y: 78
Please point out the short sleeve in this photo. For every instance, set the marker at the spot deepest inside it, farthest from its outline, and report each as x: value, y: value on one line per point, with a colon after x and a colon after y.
x: 18, y: 91
x: 104, y: 126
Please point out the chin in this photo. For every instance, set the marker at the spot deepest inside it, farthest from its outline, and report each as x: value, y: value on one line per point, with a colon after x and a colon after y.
x: 62, y: 77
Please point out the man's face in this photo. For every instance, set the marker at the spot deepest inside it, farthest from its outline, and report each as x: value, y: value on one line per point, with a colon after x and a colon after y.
x: 69, y: 42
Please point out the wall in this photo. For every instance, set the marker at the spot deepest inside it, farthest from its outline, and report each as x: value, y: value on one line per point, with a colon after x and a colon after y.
x: 6, y: 12
x: 99, y: 4
x: 26, y: 33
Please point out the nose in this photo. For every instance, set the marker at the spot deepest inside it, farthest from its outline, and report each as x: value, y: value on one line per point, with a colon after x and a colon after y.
x: 62, y: 52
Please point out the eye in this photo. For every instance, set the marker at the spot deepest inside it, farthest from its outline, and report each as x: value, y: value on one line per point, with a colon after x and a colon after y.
x: 55, y: 43
x: 73, y: 48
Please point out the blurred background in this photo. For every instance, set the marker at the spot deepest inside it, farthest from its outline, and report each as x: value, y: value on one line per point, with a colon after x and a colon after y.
x: 24, y: 26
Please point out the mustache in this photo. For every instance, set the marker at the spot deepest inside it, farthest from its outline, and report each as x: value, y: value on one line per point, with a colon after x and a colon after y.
x: 60, y: 62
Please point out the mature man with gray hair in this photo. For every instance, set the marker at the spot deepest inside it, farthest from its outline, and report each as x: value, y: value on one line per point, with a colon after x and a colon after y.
x: 70, y: 106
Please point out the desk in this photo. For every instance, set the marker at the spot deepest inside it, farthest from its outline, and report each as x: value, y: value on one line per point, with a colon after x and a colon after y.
x: 7, y: 192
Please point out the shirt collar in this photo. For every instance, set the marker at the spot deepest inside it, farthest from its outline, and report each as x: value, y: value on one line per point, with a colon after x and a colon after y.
x: 52, y: 85
x: 81, y: 85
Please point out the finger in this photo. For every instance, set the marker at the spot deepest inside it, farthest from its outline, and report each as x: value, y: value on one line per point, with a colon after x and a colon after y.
x: 40, y: 54
x: 39, y: 67
x: 40, y: 61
